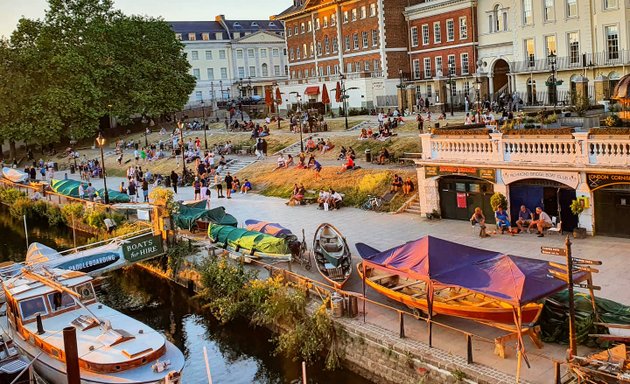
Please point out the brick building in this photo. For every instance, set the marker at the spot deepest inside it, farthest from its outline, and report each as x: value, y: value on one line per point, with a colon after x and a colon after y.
x: 366, y: 40
x: 442, y: 52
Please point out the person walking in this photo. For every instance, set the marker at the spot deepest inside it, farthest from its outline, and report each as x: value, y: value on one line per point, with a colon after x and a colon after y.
x: 197, y: 188
x: 145, y: 190
x: 91, y: 191
x: 131, y: 190
x: 174, y: 179
x: 218, y: 186
x: 228, y: 185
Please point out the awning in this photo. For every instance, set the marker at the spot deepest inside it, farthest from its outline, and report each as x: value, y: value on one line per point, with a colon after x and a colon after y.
x: 312, y: 90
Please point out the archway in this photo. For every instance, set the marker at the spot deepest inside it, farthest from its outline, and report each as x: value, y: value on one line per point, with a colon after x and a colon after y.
x: 613, y: 79
x: 500, y: 78
x: 460, y: 195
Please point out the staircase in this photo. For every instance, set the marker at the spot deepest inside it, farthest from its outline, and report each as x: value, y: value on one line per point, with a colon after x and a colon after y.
x: 411, y: 206
x: 233, y: 166
x: 294, y: 149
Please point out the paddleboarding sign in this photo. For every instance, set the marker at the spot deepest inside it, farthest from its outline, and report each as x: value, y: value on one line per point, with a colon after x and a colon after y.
x: 142, y: 248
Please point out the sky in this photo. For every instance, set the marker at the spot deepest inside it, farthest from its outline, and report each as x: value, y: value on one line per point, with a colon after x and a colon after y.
x: 173, y: 10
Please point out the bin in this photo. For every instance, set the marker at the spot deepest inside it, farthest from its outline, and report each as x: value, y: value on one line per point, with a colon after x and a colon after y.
x: 336, y: 305
x: 368, y: 156
x: 72, y: 169
x: 56, y: 166
x: 353, y: 306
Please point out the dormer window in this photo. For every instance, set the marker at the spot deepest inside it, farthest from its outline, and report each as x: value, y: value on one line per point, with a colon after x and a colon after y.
x: 236, y: 24
x: 192, y: 36
x: 178, y: 36
x: 272, y: 24
x: 254, y: 24
x: 205, y: 36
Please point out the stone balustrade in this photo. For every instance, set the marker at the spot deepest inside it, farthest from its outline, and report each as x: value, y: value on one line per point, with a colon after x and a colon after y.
x: 576, y: 149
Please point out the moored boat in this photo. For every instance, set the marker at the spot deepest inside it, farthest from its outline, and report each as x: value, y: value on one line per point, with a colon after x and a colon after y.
x: 112, y: 347
x: 249, y: 244
x: 14, y: 175
x: 332, y: 255
x: 448, y: 300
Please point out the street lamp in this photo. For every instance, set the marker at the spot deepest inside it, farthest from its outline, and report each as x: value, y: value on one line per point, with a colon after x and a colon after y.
x: 478, y: 87
x: 451, y: 70
x: 345, y: 96
x: 100, y: 141
x: 203, y: 124
x: 551, y: 59
x: 274, y: 91
x: 402, y: 87
x: 298, y: 111
x: 240, y: 97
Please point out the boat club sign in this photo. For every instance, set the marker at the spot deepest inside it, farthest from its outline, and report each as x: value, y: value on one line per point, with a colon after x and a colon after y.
x: 571, y: 179
x: 142, y: 248
x: 599, y: 180
x: 445, y: 170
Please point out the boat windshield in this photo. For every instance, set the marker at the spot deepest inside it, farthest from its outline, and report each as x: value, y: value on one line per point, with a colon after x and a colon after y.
x: 60, y: 300
x: 31, y: 307
x: 86, y: 291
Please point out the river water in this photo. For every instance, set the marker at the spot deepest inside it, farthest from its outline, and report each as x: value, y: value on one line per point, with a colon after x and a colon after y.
x: 238, y: 353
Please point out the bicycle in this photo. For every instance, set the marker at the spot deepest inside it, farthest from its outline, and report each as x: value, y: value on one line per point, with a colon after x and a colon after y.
x: 373, y: 203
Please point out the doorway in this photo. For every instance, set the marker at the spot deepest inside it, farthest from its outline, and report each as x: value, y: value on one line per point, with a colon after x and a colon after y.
x: 554, y: 198
x: 460, y: 195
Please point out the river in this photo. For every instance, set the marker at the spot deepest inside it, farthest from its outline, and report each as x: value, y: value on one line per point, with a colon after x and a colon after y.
x: 238, y: 353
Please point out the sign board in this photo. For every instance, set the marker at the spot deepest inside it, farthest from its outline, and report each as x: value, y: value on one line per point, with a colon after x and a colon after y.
x: 553, y: 251
x: 443, y: 170
x: 143, y: 215
x: 143, y: 247
x: 572, y: 179
x: 599, y: 180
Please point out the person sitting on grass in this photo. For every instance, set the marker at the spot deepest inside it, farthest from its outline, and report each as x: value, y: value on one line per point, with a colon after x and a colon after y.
x: 342, y: 153
x: 297, y: 196
x: 323, y: 199
x: 281, y: 162
x: 348, y: 165
x: 290, y: 162
x: 311, y: 146
x: 396, y: 184
x: 302, y: 160
x: 364, y: 134
x: 408, y: 186
x: 503, y: 220
x: 383, y: 155
x: 335, y: 199
x: 247, y: 186
x: 328, y: 145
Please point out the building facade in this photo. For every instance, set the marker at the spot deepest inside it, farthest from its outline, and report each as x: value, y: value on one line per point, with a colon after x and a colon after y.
x: 365, y: 40
x: 442, y: 51
x: 232, y: 58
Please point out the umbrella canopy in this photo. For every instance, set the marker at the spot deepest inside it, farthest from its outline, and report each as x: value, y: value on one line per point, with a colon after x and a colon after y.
x: 325, y: 96
x: 338, y: 93
x: 278, y: 96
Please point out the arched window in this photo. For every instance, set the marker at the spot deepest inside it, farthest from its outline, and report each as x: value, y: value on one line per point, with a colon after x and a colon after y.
x: 265, y: 70
x: 498, y: 19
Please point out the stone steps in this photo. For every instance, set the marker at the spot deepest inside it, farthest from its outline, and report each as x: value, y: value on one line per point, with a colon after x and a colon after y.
x: 414, y: 206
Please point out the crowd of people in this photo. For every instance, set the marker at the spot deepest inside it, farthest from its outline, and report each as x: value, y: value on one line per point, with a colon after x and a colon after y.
x: 529, y: 221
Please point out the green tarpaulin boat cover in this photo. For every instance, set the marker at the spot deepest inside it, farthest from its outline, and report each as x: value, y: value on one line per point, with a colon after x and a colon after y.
x: 240, y: 238
x: 71, y: 188
x: 196, y: 204
x: 187, y: 216
x: 554, y: 319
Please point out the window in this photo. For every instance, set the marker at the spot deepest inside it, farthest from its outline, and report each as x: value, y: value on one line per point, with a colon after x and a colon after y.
x: 574, y: 47
x: 196, y: 74
x: 366, y: 66
x: 291, y: 54
x: 59, y: 301
x: 205, y: 36
x: 210, y: 72
x: 222, y: 54
x: 464, y: 63
x: 550, y: 44
x: 427, y: 67
x: 325, y: 21
x: 286, y: 70
x: 354, y: 14
x: 218, y: 35
x: 239, y: 53
x: 364, y: 37
x: 275, y: 52
x: 302, y: 28
x: 438, y: 64
x: 319, y: 48
x: 425, y: 34
x: 612, y: 42
x: 345, y: 17
x: 208, y: 55
x: 317, y: 26
x: 466, y: 87
x: 264, y: 69
x: 572, y: 8
x: 414, y: 36
x: 429, y: 90
x: 309, y: 26
x: 311, y: 51
x: 437, y: 33
x: 178, y: 36
x: 610, y: 4
x: 373, y: 9
x: 335, y: 44
x: 377, y: 64
x: 530, y: 52
x: 357, y: 66
x: 250, y: 53
x: 31, y: 307
x: 295, y: 30
x: 328, y: 70
x: 453, y: 89
x: 289, y: 32
x: 450, y: 30
x: 363, y: 13
x: 355, y: 41
x: 375, y: 38
x: 224, y: 73
x: 192, y: 36
x: 451, y: 65
x: 263, y: 53
x: 327, y: 45
x: 336, y: 69
x: 194, y: 55
x: 528, y: 14
x: 333, y: 20
x: 276, y: 70
x: 349, y: 67
x: 498, y: 19
x: 416, y: 69
x: 198, y: 95
x: 241, y: 72
x: 463, y: 28
x: 549, y: 13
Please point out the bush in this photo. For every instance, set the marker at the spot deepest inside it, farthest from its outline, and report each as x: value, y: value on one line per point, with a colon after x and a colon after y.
x: 22, y: 206
x: 498, y: 199
x: 94, y: 218
x: 9, y: 195
x: 612, y: 121
x: 76, y: 210
x: 54, y: 216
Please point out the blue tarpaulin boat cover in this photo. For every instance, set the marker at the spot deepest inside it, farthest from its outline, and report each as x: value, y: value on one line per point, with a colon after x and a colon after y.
x: 512, y: 279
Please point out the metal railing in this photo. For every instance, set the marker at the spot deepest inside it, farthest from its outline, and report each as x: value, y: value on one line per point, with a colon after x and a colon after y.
x: 587, y: 60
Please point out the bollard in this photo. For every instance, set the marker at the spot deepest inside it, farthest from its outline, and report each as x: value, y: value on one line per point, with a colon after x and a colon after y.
x: 401, y: 318
x: 557, y: 379
x: 469, y: 349
x: 72, y: 355
x: 353, y: 306
x: 40, y: 325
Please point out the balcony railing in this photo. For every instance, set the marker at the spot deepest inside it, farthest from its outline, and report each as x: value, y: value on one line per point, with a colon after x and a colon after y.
x: 597, y: 59
x: 335, y: 77
x: 576, y: 150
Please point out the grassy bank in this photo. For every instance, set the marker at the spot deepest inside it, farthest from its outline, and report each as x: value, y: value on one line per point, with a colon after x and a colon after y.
x: 356, y: 185
x: 397, y: 145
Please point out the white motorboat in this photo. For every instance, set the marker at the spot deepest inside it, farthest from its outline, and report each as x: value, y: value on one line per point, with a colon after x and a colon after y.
x: 14, y: 175
x: 112, y: 347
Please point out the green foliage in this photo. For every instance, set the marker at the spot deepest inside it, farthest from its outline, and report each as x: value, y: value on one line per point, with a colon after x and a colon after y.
x: 498, y: 199
x: 9, y: 195
x: 53, y: 214
x: 581, y: 103
x: 94, y: 218
x: 21, y: 207
x: 577, y: 207
x: 612, y: 121
x: 459, y: 375
x: 165, y: 198
x: 72, y: 210
x: 175, y: 257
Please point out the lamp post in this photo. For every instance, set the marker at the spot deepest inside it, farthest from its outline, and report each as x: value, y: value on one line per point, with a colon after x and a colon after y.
x: 274, y: 91
x: 345, y: 96
x: 553, y: 95
x: 451, y: 69
x: 203, y: 124
x: 478, y: 88
x: 109, y: 114
x: 402, y: 87
x: 240, y: 87
x: 146, y: 141
x: 221, y: 89
x: 100, y: 141
x: 299, y: 111
x: 180, y: 125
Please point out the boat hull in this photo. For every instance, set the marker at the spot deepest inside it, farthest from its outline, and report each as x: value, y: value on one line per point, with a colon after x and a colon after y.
x: 343, y: 262
x: 504, y: 316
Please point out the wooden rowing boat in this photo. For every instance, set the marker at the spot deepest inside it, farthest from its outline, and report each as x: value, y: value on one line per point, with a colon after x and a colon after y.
x: 451, y: 301
x: 332, y: 255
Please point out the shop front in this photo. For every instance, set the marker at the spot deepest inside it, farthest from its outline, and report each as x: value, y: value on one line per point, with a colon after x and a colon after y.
x: 611, y: 197
x: 462, y: 189
x: 552, y: 191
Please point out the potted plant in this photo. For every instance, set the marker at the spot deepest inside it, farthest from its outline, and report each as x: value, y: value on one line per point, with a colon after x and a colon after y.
x: 498, y: 199
x: 577, y: 207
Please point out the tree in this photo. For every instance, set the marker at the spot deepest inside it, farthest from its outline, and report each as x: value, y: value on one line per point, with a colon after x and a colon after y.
x: 68, y: 69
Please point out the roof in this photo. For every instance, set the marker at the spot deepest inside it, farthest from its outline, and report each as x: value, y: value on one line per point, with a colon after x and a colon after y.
x: 228, y: 27
x: 312, y: 90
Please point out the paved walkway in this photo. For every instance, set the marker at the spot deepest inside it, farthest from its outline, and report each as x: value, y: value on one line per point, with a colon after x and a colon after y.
x: 383, y: 230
